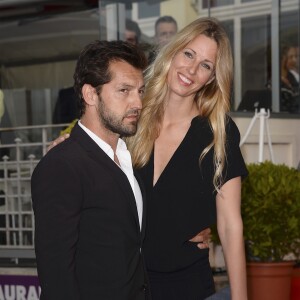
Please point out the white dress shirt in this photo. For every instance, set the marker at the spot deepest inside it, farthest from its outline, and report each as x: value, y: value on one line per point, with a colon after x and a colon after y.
x: 295, y: 74
x: 124, y: 158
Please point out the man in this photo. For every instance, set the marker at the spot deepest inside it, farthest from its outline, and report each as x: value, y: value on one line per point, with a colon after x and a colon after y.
x: 165, y: 29
x: 89, y: 212
x: 132, y: 32
x: 65, y: 110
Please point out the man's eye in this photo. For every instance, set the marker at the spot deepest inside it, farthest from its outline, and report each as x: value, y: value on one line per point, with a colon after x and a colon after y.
x: 124, y: 90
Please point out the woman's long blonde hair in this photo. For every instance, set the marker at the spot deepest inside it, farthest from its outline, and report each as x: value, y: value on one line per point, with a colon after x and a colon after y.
x: 213, y: 100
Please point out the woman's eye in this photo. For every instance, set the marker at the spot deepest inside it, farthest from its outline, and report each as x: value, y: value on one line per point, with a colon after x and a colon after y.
x: 188, y: 54
x: 206, y: 66
x: 124, y: 91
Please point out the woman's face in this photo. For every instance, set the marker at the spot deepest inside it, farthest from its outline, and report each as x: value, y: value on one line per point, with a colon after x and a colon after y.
x: 193, y: 67
x: 292, y: 57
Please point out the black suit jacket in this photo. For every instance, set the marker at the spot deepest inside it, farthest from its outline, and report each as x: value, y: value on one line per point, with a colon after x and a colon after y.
x: 87, y: 235
x: 66, y: 107
x: 293, y: 81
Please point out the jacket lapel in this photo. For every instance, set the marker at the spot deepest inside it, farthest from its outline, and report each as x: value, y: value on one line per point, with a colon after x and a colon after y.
x: 100, y: 157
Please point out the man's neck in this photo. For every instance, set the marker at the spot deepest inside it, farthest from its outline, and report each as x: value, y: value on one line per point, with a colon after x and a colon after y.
x: 102, y: 132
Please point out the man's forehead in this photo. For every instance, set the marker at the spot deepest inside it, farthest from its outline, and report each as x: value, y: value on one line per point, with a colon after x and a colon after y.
x: 124, y: 72
x: 166, y: 26
x: 121, y: 66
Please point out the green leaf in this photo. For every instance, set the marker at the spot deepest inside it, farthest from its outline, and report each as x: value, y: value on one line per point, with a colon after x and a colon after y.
x: 271, y: 211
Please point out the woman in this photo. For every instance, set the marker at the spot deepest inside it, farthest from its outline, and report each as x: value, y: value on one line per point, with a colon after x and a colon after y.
x: 288, y: 83
x: 187, y: 152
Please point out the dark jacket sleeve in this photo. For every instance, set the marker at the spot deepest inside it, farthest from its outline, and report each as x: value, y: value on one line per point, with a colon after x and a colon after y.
x: 56, y: 195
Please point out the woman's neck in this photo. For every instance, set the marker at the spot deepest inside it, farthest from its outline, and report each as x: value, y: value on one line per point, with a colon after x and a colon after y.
x: 177, y: 111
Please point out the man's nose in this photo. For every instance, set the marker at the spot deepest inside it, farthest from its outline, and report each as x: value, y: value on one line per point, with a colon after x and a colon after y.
x: 168, y: 36
x: 136, y: 101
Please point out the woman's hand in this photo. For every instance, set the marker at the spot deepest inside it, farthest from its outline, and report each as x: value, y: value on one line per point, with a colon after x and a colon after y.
x: 202, y: 238
x: 58, y: 140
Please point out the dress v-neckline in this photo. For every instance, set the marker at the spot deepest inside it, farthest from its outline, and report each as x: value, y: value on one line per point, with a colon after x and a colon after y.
x: 154, y: 184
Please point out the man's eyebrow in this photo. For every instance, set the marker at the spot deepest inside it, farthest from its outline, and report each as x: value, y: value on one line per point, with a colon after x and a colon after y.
x: 127, y: 85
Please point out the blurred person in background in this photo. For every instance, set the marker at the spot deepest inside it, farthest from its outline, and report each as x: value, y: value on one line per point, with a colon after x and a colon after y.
x: 165, y: 28
x: 289, y: 79
x: 132, y: 32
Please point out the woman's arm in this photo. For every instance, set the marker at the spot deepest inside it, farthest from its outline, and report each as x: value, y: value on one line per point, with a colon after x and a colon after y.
x: 230, y: 229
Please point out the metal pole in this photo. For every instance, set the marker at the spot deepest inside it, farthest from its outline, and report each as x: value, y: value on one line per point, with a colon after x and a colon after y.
x: 275, y: 55
x: 262, y: 115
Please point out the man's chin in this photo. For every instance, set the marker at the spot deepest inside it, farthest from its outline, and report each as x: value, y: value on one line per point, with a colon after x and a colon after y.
x: 129, y: 131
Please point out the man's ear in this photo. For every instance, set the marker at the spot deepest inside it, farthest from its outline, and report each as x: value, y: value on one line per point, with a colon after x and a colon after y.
x: 89, y: 94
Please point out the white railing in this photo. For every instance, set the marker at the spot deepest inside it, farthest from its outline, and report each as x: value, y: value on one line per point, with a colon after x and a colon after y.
x: 16, y: 215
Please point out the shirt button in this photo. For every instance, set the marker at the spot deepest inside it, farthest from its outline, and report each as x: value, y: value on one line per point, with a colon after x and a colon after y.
x: 144, y: 287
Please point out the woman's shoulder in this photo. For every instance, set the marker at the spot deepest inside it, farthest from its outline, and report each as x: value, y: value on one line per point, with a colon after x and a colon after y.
x: 201, y: 129
x: 203, y: 124
x: 232, y: 131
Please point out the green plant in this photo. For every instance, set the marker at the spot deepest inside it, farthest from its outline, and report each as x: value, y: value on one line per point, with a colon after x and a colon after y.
x: 271, y: 211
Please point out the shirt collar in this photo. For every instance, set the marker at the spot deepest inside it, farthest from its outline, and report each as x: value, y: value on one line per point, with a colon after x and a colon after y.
x: 102, y: 144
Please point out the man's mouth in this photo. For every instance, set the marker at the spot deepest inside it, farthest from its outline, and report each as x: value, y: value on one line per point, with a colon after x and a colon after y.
x: 133, y: 115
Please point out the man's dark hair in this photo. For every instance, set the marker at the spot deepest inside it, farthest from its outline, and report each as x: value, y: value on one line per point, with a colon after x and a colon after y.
x: 164, y: 19
x: 94, y: 60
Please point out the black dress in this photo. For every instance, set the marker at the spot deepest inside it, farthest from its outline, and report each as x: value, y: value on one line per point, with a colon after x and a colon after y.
x: 180, y: 205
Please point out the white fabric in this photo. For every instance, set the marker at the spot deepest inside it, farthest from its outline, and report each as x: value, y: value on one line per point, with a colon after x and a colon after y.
x: 124, y: 158
x: 295, y: 74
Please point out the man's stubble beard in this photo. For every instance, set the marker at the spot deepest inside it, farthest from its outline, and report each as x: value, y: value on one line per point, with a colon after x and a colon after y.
x: 114, y: 123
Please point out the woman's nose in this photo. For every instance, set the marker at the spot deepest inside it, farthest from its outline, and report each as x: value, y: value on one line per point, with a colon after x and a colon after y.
x: 192, y: 68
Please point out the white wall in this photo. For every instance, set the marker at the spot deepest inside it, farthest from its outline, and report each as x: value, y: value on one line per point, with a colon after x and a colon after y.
x: 285, y: 137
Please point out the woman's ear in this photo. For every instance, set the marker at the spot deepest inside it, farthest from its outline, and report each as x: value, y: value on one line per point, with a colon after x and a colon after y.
x: 89, y: 94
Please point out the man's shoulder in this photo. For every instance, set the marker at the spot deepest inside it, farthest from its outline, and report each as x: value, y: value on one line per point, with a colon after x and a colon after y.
x: 67, y: 148
x: 67, y: 152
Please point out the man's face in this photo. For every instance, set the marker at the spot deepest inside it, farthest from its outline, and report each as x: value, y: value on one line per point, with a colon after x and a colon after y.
x: 130, y: 37
x: 120, y: 100
x: 164, y: 32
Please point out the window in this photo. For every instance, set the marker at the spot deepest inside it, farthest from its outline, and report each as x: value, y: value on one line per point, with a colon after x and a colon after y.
x: 216, y: 3
x: 260, y: 32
